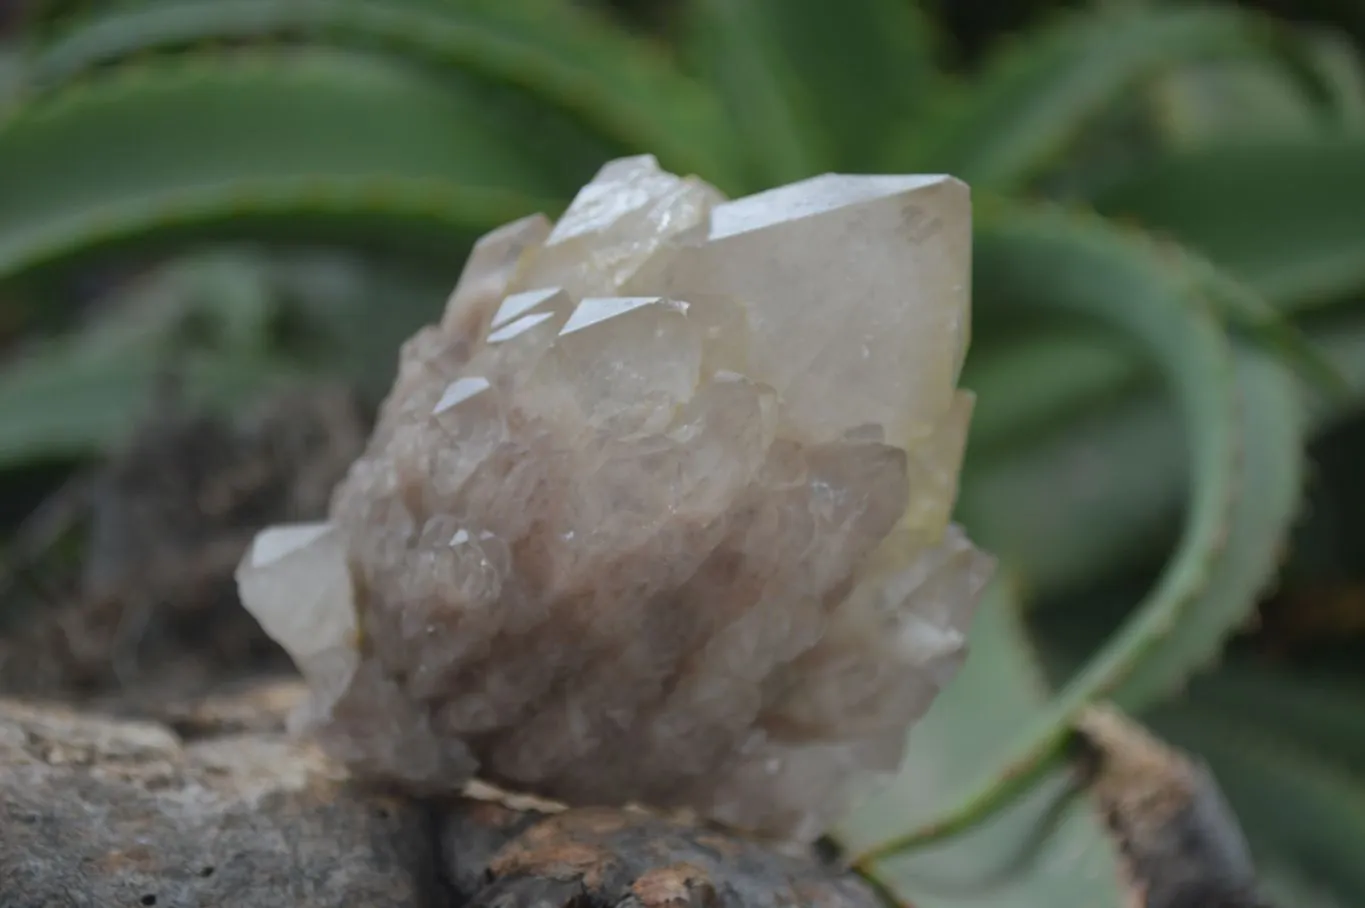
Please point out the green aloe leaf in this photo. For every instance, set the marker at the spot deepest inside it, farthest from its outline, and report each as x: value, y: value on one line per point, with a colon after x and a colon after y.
x: 1272, y: 471
x: 1342, y: 341
x: 1298, y: 808
x: 11, y: 76
x: 1071, y: 505
x: 1312, y: 88
x: 1337, y: 60
x: 1319, y: 711
x: 312, y: 140
x: 80, y: 394
x: 1240, y: 418
x: 1242, y: 430
x: 1103, y: 489
x: 1029, y: 380
x: 557, y: 52
x: 80, y: 399
x: 1233, y: 101
x: 1286, y: 217
x: 1034, y: 98
x: 228, y: 324
x: 1282, y: 885
x: 1028, y: 385
x: 813, y: 86
x: 997, y: 694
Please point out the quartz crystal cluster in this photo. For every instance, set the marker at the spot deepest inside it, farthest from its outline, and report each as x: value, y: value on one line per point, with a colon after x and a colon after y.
x: 658, y: 512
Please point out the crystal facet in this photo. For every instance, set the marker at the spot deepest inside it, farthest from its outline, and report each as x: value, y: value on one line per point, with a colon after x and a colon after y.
x: 658, y: 513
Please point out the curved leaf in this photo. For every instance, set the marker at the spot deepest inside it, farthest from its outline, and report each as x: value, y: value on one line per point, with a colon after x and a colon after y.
x: 1268, y: 500
x: 1320, y: 712
x: 1029, y: 382
x: 1050, y: 262
x: 1294, y: 805
x: 1337, y: 61
x: 72, y: 401
x: 1342, y: 341
x: 1034, y: 98
x: 1287, y: 217
x: 1314, y: 86
x: 1232, y: 101
x: 812, y: 85
x: 1099, y: 493
x: 1108, y: 491
x: 79, y: 394
x: 1104, y: 490
x: 1281, y: 885
x: 996, y: 695
x: 305, y: 134
x: 1240, y: 419
x: 11, y: 76
x: 1032, y: 384
x: 227, y: 324
x: 556, y: 51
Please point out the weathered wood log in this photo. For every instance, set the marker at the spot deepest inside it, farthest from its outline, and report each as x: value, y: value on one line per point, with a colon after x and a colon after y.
x: 1181, y: 842
x: 230, y: 811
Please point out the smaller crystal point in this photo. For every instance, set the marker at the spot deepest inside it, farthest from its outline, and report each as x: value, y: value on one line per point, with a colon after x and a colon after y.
x: 519, y: 304
x: 489, y: 270
x: 658, y: 514
x: 294, y: 581
x: 624, y: 218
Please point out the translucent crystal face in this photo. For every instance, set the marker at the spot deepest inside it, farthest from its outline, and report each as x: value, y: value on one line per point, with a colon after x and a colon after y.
x: 658, y: 513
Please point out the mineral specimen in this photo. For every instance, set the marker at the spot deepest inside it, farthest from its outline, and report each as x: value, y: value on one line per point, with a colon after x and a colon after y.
x: 658, y: 512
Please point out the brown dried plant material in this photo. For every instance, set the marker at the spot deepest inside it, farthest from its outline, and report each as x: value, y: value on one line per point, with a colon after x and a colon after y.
x: 1184, y: 848
x: 150, y: 604
x: 658, y: 513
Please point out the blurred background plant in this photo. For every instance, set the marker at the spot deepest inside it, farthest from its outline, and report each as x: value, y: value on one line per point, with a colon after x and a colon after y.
x: 1169, y: 338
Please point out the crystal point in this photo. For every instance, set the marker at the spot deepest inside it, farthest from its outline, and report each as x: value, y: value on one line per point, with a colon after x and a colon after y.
x: 831, y: 311
x: 294, y: 581
x: 488, y: 272
x: 658, y: 513
x: 616, y: 225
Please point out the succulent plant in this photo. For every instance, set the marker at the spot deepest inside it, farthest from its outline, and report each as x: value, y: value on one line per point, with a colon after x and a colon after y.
x: 1169, y: 255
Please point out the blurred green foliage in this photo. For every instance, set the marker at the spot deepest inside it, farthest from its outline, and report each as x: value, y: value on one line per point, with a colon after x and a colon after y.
x: 1169, y: 277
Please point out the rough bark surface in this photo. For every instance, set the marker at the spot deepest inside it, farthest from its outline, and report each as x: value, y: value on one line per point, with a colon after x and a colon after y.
x: 110, y: 813
x: 214, y: 805
x: 601, y: 857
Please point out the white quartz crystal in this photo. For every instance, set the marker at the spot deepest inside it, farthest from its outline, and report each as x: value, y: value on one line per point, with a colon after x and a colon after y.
x: 294, y: 580
x: 658, y: 513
